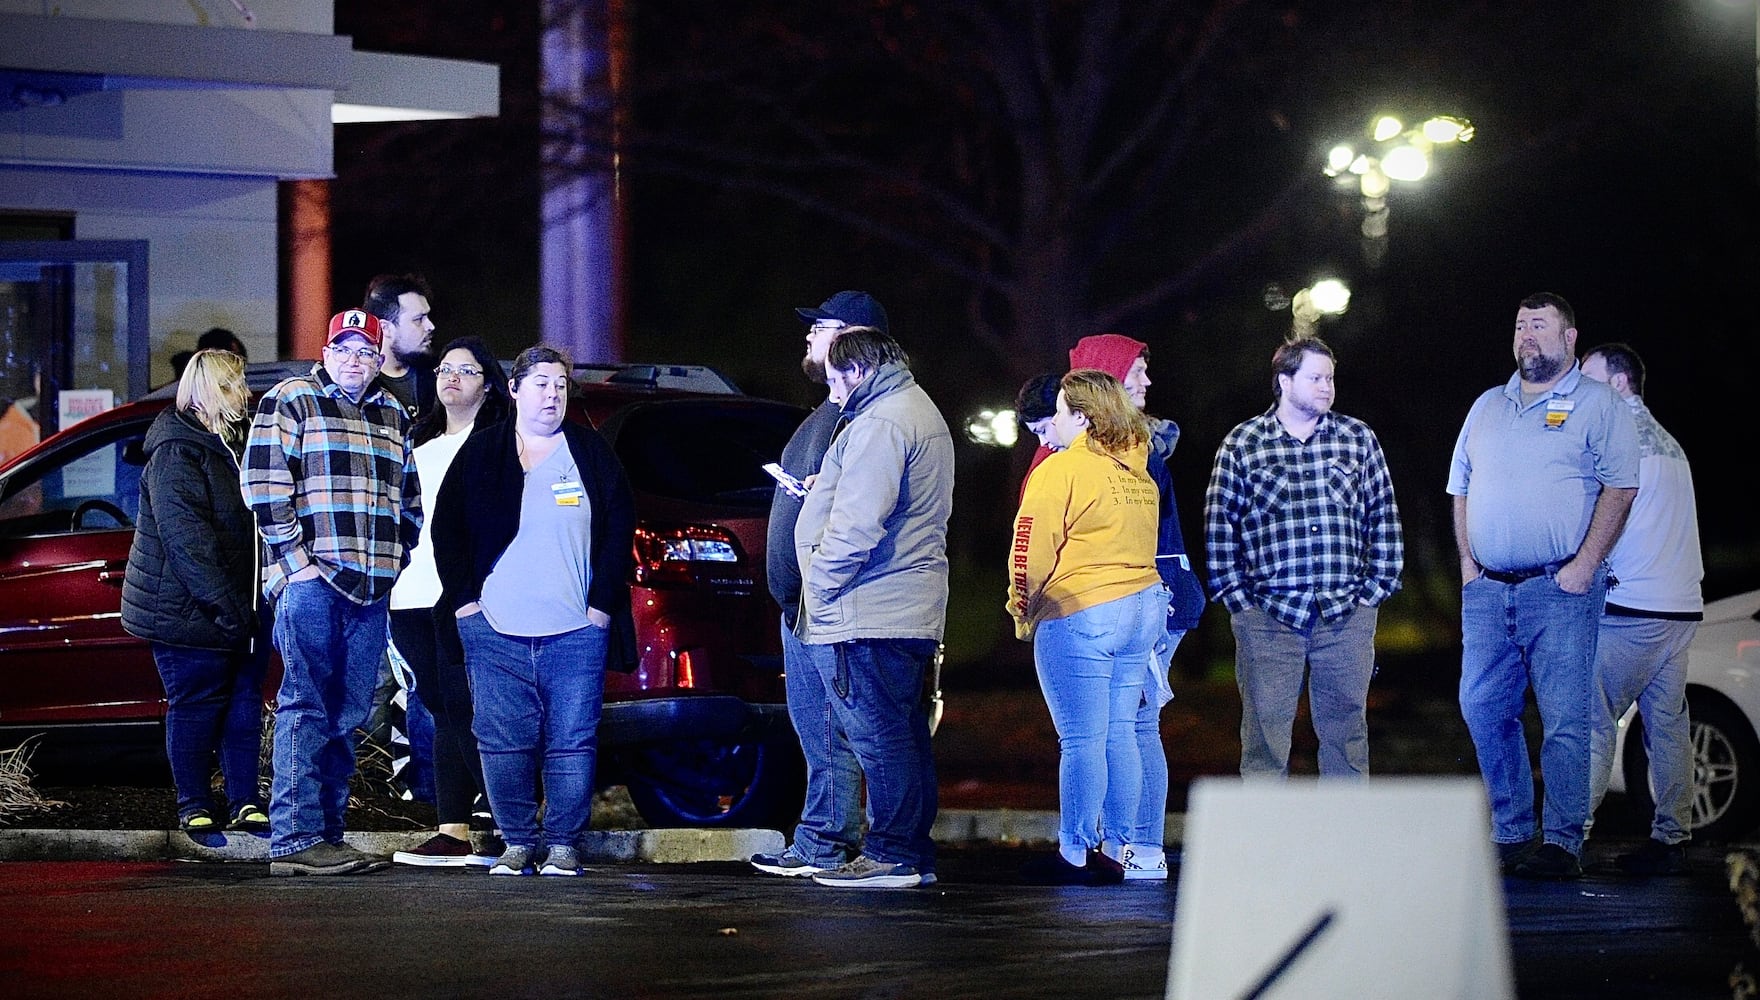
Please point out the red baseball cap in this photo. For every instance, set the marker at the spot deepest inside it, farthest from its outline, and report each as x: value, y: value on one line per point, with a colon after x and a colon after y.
x: 355, y: 322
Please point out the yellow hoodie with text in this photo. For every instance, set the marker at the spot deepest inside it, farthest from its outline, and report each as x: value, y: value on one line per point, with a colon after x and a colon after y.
x: 1085, y: 534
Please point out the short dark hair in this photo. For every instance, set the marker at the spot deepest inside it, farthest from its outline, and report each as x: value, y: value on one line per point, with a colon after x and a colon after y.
x: 1540, y: 300
x: 538, y: 354
x: 1621, y: 360
x: 219, y: 338
x: 864, y: 347
x: 385, y: 289
x: 1037, y: 398
x: 1290, y: 354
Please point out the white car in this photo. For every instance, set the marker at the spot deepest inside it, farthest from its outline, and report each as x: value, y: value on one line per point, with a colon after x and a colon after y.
x: 1723, y: 700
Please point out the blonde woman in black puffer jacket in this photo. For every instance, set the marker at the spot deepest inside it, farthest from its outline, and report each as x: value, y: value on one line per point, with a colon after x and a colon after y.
x: 191, y: 590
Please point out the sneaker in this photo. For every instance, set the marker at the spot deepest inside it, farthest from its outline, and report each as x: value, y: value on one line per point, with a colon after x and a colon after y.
x: 369, y: 862
x: 561, y: 860
x: 249, y: 818
x: 439, y: 851
x: 1654, y: 858
x: 513, y: 861
x: 1509, y: 856
x: 1550, y: 861
x: 866, y: 873
x: 1143, y: 863
x: 198, y: 821
x: 786, y: 863
x: 928, y: 879
x: 318, y: 859
x: 486, y: 849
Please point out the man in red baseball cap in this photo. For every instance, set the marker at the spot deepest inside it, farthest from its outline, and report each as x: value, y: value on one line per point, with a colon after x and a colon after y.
x: 331, y: 478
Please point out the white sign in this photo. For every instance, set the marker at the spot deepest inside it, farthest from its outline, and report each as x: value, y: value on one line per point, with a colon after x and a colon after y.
x: 95, y: 474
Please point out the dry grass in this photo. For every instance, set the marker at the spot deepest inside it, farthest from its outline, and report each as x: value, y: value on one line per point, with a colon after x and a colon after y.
x: 18, y: 797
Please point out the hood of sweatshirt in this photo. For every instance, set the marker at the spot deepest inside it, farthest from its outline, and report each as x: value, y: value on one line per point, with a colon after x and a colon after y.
x: 1112, y: 353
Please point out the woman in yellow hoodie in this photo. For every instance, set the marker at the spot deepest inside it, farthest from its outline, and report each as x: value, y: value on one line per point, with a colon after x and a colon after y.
x: 1083, y: 587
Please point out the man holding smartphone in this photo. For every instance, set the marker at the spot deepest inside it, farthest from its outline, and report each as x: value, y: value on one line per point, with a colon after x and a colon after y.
x: 830, y: 829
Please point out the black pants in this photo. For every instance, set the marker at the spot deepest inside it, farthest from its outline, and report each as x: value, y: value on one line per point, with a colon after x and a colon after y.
x: 437, y: 661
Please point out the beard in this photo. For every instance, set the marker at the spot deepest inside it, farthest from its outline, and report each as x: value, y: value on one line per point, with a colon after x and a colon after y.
x: 813, y: 370
x: 1539, y: 367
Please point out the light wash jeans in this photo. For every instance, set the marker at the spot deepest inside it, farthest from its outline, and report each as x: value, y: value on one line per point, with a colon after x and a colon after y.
x: 878, y: 691
x: 830, y: 830
x: 1338, y: 660
x: 1645, y: 660
x: 1092, y: 668
x: 330, y: 652
x: 1517, y: 635
x: 538, y: 701
x: 1150, y: 828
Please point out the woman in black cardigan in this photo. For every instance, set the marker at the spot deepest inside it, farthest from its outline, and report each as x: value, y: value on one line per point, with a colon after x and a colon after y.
x: 191, y: 590
x: 532, y: 538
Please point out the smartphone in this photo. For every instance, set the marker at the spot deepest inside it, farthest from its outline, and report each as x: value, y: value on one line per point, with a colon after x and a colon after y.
x: 793, y: 486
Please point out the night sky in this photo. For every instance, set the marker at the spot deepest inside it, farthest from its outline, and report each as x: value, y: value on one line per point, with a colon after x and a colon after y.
x: 1614, y: 163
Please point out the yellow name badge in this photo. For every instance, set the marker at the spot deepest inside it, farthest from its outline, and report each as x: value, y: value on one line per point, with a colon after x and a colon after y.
x: 567, y: 494
x: 1557, y: 410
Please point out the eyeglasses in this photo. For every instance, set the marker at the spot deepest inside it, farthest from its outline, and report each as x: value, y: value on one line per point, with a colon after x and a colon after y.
x: 827, y: 325
x: 365, y: 355
x: 462, y: 371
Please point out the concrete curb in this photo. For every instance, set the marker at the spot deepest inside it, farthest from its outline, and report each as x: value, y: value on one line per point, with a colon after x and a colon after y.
x: 952, y: 827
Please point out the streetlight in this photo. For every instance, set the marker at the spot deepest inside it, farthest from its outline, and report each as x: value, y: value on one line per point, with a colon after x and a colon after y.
x: 993, y: 427
x: 1327, y: 297
x: 1394, y: 153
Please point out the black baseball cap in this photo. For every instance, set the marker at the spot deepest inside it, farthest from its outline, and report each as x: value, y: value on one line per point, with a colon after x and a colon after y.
x: 853, y: 308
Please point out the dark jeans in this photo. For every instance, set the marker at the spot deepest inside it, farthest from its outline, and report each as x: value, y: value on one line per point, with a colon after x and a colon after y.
x: 214, y: 705
x: 445, y: 691
x: 877, y: 689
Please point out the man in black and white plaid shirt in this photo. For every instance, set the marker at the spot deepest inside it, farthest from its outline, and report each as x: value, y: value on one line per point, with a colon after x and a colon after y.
x: 329, y: 474
x: 1303, y: 539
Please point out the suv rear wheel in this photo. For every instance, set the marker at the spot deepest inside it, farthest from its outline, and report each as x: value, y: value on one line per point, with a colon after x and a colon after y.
x: 709, y: 783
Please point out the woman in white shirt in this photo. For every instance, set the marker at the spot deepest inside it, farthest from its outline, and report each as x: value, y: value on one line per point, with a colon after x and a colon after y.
x: 471, y: 390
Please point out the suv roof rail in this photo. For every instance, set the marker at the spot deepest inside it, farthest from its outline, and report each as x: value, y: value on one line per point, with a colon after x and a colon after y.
x: 690, y: 378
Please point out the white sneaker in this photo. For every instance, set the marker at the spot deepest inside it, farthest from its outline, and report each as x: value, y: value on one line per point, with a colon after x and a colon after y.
x: 1143, y: 862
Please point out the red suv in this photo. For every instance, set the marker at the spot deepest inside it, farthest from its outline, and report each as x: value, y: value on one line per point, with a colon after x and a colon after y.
x: 699, y: 732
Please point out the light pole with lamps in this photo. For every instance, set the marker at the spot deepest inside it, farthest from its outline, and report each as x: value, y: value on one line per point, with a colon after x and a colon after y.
x: 1394, y: 153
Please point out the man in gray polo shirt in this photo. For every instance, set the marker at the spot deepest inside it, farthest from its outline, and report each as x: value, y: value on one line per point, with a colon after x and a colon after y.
x: 1544, y: 473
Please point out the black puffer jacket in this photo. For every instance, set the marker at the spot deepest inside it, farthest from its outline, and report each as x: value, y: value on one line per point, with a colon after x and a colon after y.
x: 192, y: 571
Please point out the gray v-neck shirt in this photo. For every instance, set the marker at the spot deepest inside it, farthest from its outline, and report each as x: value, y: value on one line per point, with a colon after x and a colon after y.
x: 539, y: 585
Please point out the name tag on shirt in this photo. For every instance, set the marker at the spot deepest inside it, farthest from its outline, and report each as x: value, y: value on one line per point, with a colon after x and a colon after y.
x: 568, y: 494
x: 1557, y: 410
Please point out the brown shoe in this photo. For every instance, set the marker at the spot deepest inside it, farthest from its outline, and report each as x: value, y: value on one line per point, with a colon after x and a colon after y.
x: 320, y: 859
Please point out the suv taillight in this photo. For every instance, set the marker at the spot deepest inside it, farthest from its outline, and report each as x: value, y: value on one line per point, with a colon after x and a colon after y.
x: 687, y: 554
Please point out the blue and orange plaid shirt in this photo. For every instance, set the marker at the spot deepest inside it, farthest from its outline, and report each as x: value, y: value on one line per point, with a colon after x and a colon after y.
x: 332, y: 482
x: 1303, y: 530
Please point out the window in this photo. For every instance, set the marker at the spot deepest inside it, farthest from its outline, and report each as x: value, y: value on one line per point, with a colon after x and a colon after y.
x: 706, y: 451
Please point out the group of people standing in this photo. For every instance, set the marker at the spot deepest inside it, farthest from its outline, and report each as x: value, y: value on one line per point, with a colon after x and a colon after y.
x: 321, y: 497
x: 510, y: 598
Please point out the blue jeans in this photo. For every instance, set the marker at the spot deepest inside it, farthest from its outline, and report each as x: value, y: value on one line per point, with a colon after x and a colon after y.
x: 1645, y: 660
x: 830, y: 830
x: 214, y: 704
x: 878, y: 691
x: 330, y: 652
x: 1514, y: 636
x: 1150, y: 828
x: 1338, y: 660
x: 538, y: 701
x: 1093, y: 666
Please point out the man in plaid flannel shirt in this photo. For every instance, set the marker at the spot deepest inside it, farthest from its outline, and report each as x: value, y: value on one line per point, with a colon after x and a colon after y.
x: 1303, y: 540
x: 331, y: 478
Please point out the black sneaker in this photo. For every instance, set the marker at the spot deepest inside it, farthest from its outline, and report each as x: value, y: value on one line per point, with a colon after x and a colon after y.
x: 787, y: 863
x: 319, y: 859
x: 439, y: 851
x: 249, y: 818
x: 1550, y: 861
x: 1654, y: 858
x: 1052, y: 869
x: 198, y: 821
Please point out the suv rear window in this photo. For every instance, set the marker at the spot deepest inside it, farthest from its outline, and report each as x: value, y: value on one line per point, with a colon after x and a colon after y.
x: 706, y: 451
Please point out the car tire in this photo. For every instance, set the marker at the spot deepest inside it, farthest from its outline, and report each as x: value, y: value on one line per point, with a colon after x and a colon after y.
x: 1726, y: 770
x: 759, y: 783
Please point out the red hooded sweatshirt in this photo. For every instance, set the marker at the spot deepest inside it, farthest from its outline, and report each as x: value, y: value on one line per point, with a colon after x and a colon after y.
x: 1112, y: 353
